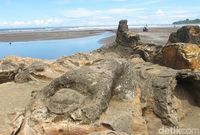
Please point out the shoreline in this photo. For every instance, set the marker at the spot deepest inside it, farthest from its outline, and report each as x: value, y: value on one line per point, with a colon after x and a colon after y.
x: 158, y: 36
x: 153, y: 34
x: 40, y: 36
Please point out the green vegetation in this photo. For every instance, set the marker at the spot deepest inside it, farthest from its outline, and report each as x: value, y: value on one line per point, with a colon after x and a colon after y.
x: 187, y: 21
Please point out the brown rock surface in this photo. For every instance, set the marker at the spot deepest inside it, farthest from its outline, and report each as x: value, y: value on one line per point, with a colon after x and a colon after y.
x: 181, y: 56
x: 104, y: 93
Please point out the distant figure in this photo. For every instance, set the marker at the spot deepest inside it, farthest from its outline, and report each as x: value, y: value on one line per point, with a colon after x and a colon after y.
x: 10, y: 43
x: 145, y: 29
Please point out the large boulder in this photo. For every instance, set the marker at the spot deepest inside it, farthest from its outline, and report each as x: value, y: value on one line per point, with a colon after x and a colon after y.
x: 110, y: 94
x: 124, y: 36
x: 181, y: 56
x: 88, y: 91
x: 186, y: 34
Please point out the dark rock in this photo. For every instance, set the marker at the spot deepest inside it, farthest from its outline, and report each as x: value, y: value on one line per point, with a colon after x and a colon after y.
x: 186, y: 34
x: 90, y: 89
x: 124, y: 36
x: 8, y: 70
x: 7, y: 76
x: 123, y: 27
x: 29, y: 73
x: 191, y: 80
x: 148, y: 52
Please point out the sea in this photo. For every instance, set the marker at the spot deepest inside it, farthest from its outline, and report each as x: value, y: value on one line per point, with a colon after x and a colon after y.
x: 53, y: 49
x: 78, y: 28
x: 74, y: 28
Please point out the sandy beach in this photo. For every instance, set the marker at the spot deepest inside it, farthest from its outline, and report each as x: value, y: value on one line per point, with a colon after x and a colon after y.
x: 155, y: 35
x: 32, y: 36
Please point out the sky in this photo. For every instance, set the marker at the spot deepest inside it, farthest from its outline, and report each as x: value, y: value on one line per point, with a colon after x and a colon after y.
x: 59, y: 13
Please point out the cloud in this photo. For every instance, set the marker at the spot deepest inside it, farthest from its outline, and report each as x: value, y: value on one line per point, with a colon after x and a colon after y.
x: 171, y: 15
x: 84, y: 13
x: 38, y: 22
x: 160, y: 12
x: 124, y: 10
x: 80, y: 12
x: 84, y: 16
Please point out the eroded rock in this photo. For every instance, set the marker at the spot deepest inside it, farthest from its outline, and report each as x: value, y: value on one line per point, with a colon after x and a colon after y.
x: 124, y: 36
x: 186, y: 34
x: 109, y: 91
x: 148, y: 52
x: 181, y: 56
x: 28, y: 73
x: 8, y: 70
x: 91, y: 85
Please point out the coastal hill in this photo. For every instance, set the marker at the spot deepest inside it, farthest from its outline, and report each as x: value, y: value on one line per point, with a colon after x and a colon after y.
x: 187, y: 21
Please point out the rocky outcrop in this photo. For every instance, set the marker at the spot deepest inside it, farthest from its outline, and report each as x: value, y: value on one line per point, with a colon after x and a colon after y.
x: 22, y: 70
x: 86, y: 91
x: 148, y: 52
x: 113, y: 94
x: 28, y: 73
x: 186, y: 34
x: 115, y: 90
x: 124, y: 36
x: 181, y: 56
x: 157, y: 87
x: 81, y: 95
x: 8, y: 70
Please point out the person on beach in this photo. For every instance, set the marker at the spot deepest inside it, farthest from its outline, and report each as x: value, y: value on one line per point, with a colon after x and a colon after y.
x: 145, y: 29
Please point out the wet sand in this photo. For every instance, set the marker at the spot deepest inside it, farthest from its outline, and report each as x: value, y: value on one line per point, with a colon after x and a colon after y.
x: 157, y: 36
x: 32, y: 36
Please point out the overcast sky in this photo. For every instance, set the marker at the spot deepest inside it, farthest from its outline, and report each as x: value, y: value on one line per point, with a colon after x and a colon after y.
x: 39, y: 13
